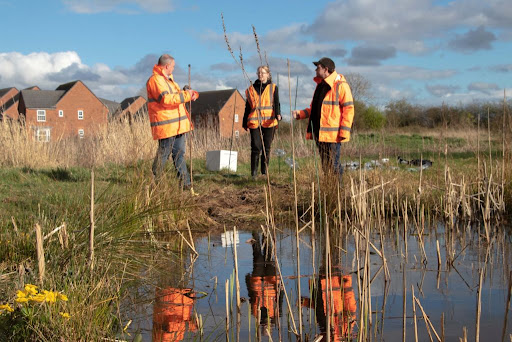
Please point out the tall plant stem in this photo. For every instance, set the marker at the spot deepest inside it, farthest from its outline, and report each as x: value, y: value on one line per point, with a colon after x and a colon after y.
x: 296, y: 205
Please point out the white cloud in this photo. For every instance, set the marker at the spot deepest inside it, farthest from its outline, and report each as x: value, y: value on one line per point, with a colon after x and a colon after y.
x: 34, y: 68
x: 483, y: 87
x: 121, y: 6
x: 287, y: 40
x: 405, y: 24
x: 49, y: 70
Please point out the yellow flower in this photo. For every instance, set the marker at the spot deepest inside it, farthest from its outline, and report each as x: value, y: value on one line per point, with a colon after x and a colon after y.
x: 21, y: 294
x: 21, y: 300
x: 6, y: 307
x: 38, y: 298
x: 31, y: 289
x: 50, y: 296
x: 64, y: 314
x: 63, y: 297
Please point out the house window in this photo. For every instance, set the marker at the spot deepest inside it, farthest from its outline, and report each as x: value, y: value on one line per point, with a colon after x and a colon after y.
x: 236, y: 117
x: 80, y: 115
x: 237, y: 134
x: 61, y: 113
x: 41, y: 115
x: 81, y: 133
x: 42, y: 134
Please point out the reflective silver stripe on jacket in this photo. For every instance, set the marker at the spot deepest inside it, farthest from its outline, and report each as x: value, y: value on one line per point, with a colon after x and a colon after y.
x: 334, y: 129
x: 263, y: 118
x: 162, y: 95
x: 349, y: 103
x: 262, y: 108
x: 161, y: 123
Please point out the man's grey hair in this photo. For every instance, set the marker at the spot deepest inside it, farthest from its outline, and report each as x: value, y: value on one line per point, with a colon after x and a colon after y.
x: 165, y: 59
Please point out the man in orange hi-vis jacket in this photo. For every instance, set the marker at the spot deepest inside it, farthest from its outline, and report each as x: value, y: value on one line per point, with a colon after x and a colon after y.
x: 172, y: 311
x: 330, y: 115
x: 169, y: 118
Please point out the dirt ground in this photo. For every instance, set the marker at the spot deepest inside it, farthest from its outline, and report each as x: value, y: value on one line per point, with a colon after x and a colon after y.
x: 229, y: 204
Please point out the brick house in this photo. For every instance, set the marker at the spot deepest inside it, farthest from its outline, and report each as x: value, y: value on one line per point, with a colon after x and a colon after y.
x: 7, y: 96
x: 72, y: 110
x: 219, y: 110
x: 9, y: 100
x: 132, y: 108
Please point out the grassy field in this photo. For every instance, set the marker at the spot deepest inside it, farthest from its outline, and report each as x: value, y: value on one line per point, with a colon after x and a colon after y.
x: 136, y: 221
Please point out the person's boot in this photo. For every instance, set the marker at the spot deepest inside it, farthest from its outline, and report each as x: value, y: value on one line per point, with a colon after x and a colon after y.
x: 263, y: 165
x: 254, y: 165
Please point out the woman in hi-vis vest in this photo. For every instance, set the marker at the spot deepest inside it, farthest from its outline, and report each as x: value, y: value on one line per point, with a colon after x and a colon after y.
x: 262, y: 112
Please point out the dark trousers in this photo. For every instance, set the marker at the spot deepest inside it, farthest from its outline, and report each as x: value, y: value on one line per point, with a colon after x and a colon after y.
x: 260, y: 145
x: 177, y: 146
x: 330, y: 155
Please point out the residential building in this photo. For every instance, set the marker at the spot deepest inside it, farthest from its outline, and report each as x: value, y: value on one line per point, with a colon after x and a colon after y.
x: 72, y: 110
x: 9, y: 100
x: 219, y: 110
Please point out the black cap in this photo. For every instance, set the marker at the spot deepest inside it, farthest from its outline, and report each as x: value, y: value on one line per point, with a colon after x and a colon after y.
x: 327, y: 63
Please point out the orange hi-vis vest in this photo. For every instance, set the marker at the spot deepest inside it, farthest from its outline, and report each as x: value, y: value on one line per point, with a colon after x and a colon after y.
x: 337, y: 111
x: 166, y: 106
x: 343, y: 306
x: 262, y: 107
x: 171, y: 312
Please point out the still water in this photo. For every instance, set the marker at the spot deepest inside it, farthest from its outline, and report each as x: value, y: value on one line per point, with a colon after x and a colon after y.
x: 189, y: 302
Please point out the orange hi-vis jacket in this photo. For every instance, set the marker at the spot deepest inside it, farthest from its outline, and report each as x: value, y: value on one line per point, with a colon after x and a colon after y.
x: 262, y: 109
x: 337, y: 111
x: 171, y: 312
x: 343, y: 306
x: 166, y: 106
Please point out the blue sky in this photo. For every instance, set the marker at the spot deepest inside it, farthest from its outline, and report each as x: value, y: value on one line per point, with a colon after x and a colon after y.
x: 425, y: 51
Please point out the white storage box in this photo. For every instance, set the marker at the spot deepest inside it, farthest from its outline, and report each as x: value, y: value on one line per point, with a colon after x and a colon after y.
x: 221, y: 159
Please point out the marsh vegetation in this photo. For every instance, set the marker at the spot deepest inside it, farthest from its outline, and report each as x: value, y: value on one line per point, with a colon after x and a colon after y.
x: 427, y: 250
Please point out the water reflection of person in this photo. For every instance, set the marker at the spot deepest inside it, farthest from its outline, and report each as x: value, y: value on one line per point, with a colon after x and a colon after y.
x: 172, y: 311
x: 341, y: 301
x: 263, y: 284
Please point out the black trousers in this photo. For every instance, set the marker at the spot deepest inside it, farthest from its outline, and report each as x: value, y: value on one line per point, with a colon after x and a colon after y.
x: 260, y: 146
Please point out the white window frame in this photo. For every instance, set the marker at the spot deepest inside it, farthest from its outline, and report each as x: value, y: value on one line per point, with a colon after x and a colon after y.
x: 80, y: 114
x: 237, y: 134
x: 236, y: 117
x: 81, y: 133
x: 41, y: 115
x: 61, y: 113
x: 40, y: 137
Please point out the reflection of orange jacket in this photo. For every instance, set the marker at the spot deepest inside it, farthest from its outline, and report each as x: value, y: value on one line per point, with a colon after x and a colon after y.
x: 343, y: 304
x: 264, y: 294
x: 171, y: 311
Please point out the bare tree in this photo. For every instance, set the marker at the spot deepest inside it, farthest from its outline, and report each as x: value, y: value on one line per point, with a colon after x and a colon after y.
x: 360, y: 87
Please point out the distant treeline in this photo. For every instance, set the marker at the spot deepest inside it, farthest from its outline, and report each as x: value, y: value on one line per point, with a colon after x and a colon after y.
x: 401, y: 113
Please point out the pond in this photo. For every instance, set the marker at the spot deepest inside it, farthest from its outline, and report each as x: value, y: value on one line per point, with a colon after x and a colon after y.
x: 189, y: 302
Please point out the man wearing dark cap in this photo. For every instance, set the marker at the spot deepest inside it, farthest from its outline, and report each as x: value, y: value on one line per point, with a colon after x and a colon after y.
x: 330, y: 115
